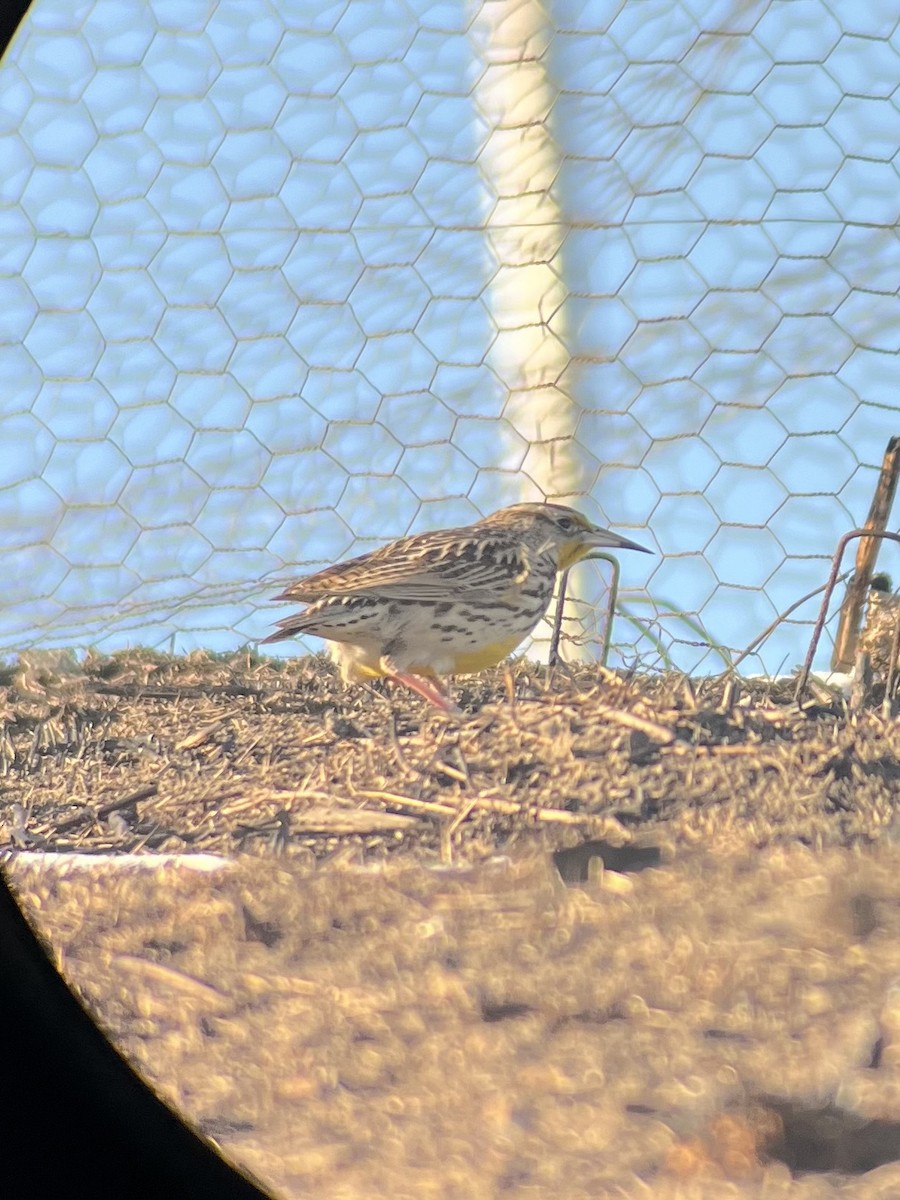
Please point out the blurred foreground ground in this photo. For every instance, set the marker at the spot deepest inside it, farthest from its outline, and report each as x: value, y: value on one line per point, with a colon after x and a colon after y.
x: 599, y: 938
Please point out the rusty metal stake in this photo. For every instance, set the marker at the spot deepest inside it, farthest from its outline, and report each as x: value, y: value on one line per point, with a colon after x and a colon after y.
x: 851, y: 610
x: 826, y: 599
x: 556, y: 633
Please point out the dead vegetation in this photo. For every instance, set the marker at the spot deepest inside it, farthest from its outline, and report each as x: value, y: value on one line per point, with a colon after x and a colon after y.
x: 147, y: 753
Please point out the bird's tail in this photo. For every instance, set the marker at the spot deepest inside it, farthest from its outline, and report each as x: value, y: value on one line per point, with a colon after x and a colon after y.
x: 287, y: 627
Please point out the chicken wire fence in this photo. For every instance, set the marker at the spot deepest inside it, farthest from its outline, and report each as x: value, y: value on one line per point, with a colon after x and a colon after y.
x: 282, y: 281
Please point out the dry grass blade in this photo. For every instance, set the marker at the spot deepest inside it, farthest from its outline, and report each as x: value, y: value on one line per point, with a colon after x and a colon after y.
x: 154, y: 974
x: 204, y: 734
x: 631, y: 720
x: 410, y: 802
x: 348, y: 821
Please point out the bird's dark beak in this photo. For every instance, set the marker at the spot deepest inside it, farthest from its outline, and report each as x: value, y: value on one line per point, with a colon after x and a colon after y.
x: 604, y: 539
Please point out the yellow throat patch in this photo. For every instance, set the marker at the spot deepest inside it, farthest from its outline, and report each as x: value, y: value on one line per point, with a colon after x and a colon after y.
x: 572, y: 552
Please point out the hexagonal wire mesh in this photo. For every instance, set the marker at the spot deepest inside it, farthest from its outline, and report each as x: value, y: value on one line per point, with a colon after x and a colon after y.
x: 281, y: 281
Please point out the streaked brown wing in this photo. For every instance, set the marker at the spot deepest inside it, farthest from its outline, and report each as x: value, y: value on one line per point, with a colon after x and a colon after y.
x: 420, y: 567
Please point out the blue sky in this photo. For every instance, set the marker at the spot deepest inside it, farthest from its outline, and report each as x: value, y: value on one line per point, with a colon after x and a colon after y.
x: 281, y: 281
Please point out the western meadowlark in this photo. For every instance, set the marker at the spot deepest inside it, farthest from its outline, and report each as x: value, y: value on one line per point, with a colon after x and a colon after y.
x: 447, y: 602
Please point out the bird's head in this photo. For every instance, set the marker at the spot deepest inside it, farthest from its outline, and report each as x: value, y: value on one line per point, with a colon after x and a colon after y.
x: 568, y: 532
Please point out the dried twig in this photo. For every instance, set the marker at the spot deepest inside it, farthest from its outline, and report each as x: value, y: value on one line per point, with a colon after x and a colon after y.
x: 631, y: 720
x: 660, y: 733
x: 155, y: 975
x: 510, y: 808
x: 410, y: 802
x: 100, y: 814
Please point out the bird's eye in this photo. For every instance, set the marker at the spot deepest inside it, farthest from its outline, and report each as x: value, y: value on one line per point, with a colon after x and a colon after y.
x: 567, y: 524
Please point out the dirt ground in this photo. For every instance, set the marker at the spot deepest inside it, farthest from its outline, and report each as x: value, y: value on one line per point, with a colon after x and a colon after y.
x: 602, y: 936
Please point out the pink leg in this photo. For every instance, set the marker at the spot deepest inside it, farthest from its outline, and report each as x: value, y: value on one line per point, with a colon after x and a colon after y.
x: 425, y: 688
